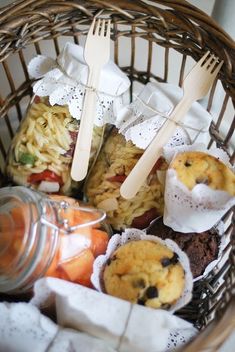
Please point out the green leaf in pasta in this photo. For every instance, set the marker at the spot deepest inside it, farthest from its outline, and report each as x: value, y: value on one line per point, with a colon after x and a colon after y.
x: 27, y: 159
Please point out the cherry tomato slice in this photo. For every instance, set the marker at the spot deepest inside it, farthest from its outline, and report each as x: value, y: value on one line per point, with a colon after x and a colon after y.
x: 117, y: 178
x: 46, y: 175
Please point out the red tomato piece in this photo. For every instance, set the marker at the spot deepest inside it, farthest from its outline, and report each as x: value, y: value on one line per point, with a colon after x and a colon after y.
x: 117, y: 178
x: 158, y: 165
x: 37, y: 99
x: 73, y: 135
x: 46, y: 175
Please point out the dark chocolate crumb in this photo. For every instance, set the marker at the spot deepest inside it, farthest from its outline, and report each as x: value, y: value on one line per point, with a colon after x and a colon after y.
x: 139, y: 283
x: 165, y: 262
x: 141, y: 302
x: 202, y: 179
x: 174, y: 259
x: 187, y: 163
x: 108, y: 261
x: 114, y: 257
x: 166, y: 306
x: 152, y: 292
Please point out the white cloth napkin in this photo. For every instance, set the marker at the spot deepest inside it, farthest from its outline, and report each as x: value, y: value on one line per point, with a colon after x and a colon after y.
x: 64, y: 81
x: 124, y: 326
x: 142, y: 119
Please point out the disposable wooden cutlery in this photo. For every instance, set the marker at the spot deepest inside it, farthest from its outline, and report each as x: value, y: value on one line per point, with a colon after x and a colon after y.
x: 195, y: 86
x: 96, y: 55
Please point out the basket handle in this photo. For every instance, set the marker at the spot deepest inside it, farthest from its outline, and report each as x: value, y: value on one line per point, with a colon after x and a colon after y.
x: 215, y: 334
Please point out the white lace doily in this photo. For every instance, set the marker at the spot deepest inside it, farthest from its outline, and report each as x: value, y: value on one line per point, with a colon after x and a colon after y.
x: 64, y: 82
x: 179, y: 337
x: 24, y: 329
x: 197, y: 210
x: 142, y: 119
x: 134, y: 235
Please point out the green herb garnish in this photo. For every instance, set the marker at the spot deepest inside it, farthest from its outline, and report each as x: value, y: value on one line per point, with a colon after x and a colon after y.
x: 27, y: 159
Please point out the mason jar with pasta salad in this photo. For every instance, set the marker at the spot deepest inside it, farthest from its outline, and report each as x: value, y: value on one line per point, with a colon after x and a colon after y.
x: 41, y: 152
x: 116, y: 160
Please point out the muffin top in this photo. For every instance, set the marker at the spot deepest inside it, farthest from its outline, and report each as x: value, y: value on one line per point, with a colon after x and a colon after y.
x: 193, y: 168
x: 145, y: 272
x: 202, y: 248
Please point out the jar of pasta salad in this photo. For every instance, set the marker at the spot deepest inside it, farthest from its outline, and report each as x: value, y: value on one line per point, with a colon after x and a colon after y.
x: 40, y: 237
x: 41, y: 152
x: 116, y: 160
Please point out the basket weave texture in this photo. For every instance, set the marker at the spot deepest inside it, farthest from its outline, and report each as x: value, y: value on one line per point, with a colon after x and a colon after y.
x: 164, y: 27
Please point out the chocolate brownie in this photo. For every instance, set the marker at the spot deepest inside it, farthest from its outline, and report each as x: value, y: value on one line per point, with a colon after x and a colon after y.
x: 201, y: 248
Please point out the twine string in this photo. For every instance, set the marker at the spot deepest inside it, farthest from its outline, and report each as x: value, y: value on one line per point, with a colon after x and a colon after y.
x: 166, y: 116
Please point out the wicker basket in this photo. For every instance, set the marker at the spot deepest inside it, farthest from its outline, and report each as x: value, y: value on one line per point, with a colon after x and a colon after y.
x: 158, y: 40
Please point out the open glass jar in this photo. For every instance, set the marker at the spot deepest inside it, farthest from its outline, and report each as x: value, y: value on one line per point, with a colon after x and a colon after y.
x: 40, y: 237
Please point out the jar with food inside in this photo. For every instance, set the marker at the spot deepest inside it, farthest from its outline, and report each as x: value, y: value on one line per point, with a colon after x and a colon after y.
x: 42, y: 150
x: 41, y: 237
x: 115, y: 161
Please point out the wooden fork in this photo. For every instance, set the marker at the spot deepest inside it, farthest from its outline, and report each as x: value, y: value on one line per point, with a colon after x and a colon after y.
x: 195, y: 86
x: 96, y: 55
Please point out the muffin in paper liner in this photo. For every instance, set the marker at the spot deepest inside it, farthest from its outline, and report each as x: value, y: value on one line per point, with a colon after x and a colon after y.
x: 135, y: 235
x: 195, y: 210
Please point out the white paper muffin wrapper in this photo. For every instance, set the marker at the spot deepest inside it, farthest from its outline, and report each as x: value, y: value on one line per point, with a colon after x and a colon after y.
x: 195, y: 210
x: 135, y: 235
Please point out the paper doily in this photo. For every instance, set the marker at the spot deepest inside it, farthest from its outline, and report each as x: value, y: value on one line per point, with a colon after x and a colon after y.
x: 64, y: 82
x: 142, y: 119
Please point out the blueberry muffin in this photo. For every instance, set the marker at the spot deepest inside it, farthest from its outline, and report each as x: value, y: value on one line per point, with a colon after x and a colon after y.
x: 201, y: 248
x: 193, y: 168
x: 145, y: 272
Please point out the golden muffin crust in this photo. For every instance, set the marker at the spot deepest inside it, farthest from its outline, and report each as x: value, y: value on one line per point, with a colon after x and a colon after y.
x: 193, y: 168
x: 145, y: 272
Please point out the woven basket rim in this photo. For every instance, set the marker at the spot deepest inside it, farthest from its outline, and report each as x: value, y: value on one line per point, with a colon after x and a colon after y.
x: 25, y: 11
x: 18, y: 9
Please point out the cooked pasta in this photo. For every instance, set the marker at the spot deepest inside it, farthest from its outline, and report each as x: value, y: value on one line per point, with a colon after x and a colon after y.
x: 114, y: 163
x: 42, y: 148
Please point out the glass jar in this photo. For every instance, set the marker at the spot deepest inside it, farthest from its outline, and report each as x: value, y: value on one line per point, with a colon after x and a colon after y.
x: 114, y: 163
x: 41, y: 152
x: 40, y: 237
